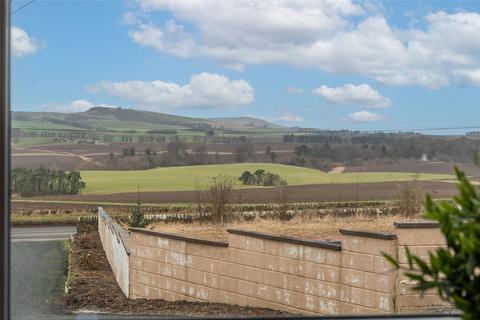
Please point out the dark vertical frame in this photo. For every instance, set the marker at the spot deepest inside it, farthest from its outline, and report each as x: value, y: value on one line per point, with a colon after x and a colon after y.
x: 5, y: 156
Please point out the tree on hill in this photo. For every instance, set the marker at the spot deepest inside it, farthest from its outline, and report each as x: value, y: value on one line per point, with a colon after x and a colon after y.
x: 261, y: 178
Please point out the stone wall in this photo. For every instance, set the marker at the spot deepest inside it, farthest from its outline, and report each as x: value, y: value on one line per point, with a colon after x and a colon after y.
x: 115, y: 244
x: 284, y: 273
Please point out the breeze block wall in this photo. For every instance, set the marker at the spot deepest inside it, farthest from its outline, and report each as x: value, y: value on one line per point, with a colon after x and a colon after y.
x: 283, y: 273
x: 115, y: 244
x: 420, y: 238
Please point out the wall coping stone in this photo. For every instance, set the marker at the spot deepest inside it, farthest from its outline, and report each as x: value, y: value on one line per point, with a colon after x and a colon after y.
x: 333, y: 245
x: 120, y: 233
x: 180, y: 237
x: 369, y: 234
x: 416, y: 225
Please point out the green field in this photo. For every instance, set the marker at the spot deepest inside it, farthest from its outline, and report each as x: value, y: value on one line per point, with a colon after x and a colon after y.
x: 183, y: 178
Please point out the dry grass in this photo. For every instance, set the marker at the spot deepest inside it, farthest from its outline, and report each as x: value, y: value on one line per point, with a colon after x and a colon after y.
x: 313, y: 228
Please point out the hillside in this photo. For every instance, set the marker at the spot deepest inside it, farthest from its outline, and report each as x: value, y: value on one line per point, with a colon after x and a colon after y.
x: 246, y: 122
x: 119, y: 119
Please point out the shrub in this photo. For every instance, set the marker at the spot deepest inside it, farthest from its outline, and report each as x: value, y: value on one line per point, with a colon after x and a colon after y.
x: 453, y: 271
x: 137, y: 217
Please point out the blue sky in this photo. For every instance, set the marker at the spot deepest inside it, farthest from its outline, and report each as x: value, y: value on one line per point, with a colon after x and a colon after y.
x: 324, y: 64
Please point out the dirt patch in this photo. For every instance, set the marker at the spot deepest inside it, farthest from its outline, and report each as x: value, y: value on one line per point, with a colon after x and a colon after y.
x: 97, y: 290
x: 337, y: 170
x: 311, y: 228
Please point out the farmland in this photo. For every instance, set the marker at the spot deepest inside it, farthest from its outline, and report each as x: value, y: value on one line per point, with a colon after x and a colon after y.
x: 184, y: 178
x: 170, y: 156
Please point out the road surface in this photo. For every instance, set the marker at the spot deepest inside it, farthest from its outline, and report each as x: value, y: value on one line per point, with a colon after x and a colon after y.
x: 18, y: 234
x: 37, y: 277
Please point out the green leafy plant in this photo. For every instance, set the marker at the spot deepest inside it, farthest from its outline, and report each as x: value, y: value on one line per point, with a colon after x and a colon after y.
x: 454, y: 271
x: 137, y: 216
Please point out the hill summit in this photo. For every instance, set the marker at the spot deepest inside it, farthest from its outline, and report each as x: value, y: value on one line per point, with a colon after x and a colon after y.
x: 120, y: 119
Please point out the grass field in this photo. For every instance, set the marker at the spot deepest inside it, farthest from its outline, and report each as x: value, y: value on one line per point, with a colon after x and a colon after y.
x: 183, y: 178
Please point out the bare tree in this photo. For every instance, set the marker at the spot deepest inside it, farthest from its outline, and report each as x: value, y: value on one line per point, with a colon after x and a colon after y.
x: 409, y: 197
x: 281, y: 202
x: 220, y: 194
x: 243, y: 152
x: 200, y: 197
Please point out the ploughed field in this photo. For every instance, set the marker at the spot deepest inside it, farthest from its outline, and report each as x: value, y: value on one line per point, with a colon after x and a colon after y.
x: 186, y: 178
x: 296, y: 194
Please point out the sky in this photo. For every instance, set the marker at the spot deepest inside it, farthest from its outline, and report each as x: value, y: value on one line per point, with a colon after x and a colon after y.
x: 332, y: 64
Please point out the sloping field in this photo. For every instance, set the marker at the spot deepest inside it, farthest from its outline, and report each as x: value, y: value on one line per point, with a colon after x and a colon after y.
x: 184, y: 178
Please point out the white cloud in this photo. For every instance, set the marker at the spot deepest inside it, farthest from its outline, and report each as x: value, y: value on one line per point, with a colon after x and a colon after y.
x: 205, y: 90
x: 364, y: 116
x: 288, y: 117
x: 131, y: 18
x: 73, y: 106
x: 293, y: 90
x: 470, y: 76
x: 79, y: 105
x: 172, y: 38
x: 22, y: 44
x: 361, y: 95
x: 319, y: 35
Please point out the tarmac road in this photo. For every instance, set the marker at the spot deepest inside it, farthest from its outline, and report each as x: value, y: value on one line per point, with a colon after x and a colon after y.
x: 37, y: 278
x: 18, y: 234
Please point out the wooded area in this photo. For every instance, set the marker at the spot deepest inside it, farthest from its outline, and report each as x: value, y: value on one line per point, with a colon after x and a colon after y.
x: 41, y: 182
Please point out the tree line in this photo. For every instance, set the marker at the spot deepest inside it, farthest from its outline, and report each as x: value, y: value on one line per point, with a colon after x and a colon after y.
x: 42, y: 182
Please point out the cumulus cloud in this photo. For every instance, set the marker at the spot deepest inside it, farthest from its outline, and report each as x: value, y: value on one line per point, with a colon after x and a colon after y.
x: 69, y: 107
x: 205, y: 90
x: 361, y: 95
x: 364, y: 116
x: 288, y: 117
x: 320, y: 35
x: 79, y: 105
x: 293, y: 90
x: 21, y: 43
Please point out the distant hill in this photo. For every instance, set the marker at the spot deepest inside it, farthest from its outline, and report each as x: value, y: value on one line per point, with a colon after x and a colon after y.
x: 247, y: 122
x: 120, y: 119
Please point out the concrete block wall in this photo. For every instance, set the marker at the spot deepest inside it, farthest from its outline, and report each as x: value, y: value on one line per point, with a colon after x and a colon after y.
x: 420, y: 238
x: 115, y: 244
x: 264, y: 270
x: 369, y: 279
x: 284, y: 273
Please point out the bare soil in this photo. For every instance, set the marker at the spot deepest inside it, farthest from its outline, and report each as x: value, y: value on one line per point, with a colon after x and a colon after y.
x: 304, y: 193
x: 418, y: 167
x: 94, y: 288
x: 310, y: 228
x: 73, y: 156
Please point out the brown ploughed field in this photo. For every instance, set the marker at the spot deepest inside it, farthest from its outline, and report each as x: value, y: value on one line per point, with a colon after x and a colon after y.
x: 305, y: 193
